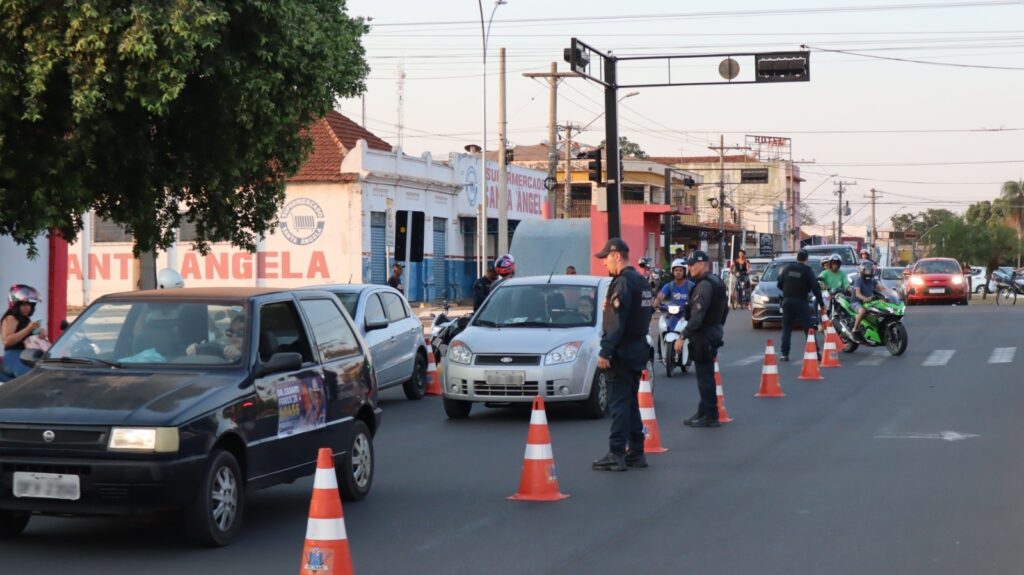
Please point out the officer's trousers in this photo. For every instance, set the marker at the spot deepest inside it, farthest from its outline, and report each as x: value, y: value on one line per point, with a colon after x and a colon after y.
x: 793, y: 310
x: 627, y: 427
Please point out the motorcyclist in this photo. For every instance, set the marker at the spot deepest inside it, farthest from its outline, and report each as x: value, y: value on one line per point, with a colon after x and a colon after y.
x: 833, y: 279
x: 865, y: 255
x: 741, y: 271
x: 505, y: 267
x: 18, y: 326
x: 677, y: 290
x: 865, y: 287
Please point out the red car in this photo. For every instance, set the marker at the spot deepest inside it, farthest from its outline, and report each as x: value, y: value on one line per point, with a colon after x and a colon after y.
x: 937, y: 280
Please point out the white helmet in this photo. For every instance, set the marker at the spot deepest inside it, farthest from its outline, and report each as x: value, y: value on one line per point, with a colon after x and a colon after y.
x: 169, y: 279
x: 678, y: 263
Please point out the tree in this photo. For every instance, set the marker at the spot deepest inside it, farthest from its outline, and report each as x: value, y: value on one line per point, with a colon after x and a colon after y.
x: 151, y: 112
x: 807, y: 218
x: 1012, y: 195
x: 629, y: 149
x: 985, y: 212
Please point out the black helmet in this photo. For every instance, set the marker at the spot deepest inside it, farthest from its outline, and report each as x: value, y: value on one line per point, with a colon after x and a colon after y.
x: 866, y: 269
x: 644, y: 262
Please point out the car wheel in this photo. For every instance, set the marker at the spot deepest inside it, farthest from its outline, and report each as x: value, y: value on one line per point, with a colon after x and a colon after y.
x: 596, y: 406
x: 416, y: 386
x: 215, y: 517
x: 355, y: 473
x: 456, y: 408
x: 757, y: 324
x: 12, y: 523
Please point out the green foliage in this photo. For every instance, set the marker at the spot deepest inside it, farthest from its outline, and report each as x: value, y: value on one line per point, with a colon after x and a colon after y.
x: 990, y: 243
x: 150, y: 112
x: 629, y: 149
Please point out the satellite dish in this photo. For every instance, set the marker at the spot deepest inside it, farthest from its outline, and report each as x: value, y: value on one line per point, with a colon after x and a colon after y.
x: 729, y: 69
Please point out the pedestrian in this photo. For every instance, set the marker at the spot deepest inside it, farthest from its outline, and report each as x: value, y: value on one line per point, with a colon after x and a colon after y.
x: 570, y: 271
x: 395, y: 280
x: 797, y: 282
x: 482, y: 287
x: 706, y: 311
x: 17, y: 326
x: 623, y: 356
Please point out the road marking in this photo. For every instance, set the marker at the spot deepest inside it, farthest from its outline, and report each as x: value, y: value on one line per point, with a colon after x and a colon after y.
x: 943, y: 435
x: 876, y: 358
x: 939, y: 357
x: 1002, y: 355
x: 749, y: 360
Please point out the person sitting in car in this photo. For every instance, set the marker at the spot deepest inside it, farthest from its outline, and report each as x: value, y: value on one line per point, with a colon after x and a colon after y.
x: 230, y: 344
x: 586, y: 308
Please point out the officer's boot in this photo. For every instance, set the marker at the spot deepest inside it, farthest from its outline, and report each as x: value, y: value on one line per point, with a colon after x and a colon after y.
x: 692, y: 418
x: 610, y: 462
x: 635, y: 459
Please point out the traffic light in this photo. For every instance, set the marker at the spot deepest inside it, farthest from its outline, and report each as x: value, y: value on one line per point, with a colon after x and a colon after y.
x: 577, y: 58
x: 594, y: 167
x: 689, y: 182
x: 401, y: 223
x: 783, y: 67
x: 509, y: 155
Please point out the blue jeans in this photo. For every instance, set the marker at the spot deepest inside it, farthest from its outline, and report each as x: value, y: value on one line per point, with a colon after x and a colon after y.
x: 12, y: 363
x: 627, y: 427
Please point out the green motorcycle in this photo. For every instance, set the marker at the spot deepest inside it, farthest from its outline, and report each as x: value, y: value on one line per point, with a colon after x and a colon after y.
x: 882, y: 325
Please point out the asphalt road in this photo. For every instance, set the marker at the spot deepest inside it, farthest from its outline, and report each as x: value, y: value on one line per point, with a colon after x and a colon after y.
x: 890, y: 465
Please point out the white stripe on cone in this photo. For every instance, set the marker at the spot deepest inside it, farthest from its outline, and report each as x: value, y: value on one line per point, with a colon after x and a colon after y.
x: 326, y: 529
x: 647, y: 414
x: 539, y: 452
x: 325, y: 479
x: 538, y: 417
x: 770, y: 370
x: 645, y: 386
x: 811, y: 355
x: 769, y: 351
x: 718, y: 391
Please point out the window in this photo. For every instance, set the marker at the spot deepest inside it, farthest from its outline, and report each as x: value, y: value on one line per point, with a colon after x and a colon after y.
x: 396, y: 309
x: 105, y: 231
x: 546, y: 306
x: 374, y: 309
x: 334, y: 337
x: 281, y: 331
x: 350, y: 300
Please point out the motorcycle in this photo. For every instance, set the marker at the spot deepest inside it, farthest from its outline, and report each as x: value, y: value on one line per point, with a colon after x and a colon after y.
x: 443, y: 330
x: 670, y: 329
x: 881, y: 326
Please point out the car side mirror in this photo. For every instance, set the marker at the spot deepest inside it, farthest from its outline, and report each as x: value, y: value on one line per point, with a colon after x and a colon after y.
x: 30, y: 356
x: 64, y: 325
x: 282, y: 361
x: 376, y: 324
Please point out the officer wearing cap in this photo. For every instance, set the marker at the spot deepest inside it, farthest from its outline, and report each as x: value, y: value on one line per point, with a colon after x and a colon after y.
x: 705, y: 314
x: 623, y: 356
x: 797, y: 282
x: 395, y: 280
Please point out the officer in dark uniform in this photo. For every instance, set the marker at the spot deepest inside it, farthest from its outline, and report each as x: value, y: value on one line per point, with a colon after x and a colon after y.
x: 705, y: 324
x: 623, y: 356
x: 797, y: 282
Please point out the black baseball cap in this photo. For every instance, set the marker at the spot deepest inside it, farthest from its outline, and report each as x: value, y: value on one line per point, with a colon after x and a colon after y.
x: 697, y: 256
x: 612, y: 245
x: 802, y: 255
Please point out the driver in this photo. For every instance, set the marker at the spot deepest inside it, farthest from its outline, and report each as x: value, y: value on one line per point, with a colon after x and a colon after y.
x: 865, y: 287
x: 231, y: 343
x: 677, y: 290
x: 833, y: 279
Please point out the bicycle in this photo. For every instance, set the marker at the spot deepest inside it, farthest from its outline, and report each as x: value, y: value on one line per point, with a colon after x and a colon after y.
x: 1006, y: 293
x: 740, y: 296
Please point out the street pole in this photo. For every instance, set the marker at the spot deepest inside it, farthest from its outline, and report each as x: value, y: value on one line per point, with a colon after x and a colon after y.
x: 502, y: 160
x: 668, y: 218
x: 611, y: 148
x: 874, y: 227
x: 721, y: 149
x: 567, y: 196
x: 481, y: 215
x: 552, y: 135
x: 839, y: 211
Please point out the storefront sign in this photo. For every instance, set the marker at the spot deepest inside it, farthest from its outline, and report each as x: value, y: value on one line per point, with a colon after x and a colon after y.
x: 216, y: 266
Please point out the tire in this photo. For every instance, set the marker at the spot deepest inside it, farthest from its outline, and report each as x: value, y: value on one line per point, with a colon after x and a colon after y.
x: 215, y: 517
x: 849, y: 345
x: 756, y: 324
x: 670, y: 361
x: 596, y: 406
x: 966, y: 301
x: 1006, y: 296
x: 355, y: 472
x: 898, y: 344
x: 12, y: 523
x: 416, y: 386
x: 456, y: 408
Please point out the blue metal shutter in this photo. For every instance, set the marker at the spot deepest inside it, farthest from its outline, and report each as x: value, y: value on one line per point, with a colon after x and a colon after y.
x: 378, y: 247
x: 441, y: 258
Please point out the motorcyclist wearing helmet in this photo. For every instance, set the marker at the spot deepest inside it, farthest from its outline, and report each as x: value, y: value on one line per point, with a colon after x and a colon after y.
x: 865, y: 287
x: 677, y: 290
x: 17, y: 325
x: 865, y: 255
x: 505, y: 267
x: 833, y: 279
x: 169, y: 279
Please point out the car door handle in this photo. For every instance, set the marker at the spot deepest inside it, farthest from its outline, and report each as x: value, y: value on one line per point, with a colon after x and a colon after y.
x: 392, y: 338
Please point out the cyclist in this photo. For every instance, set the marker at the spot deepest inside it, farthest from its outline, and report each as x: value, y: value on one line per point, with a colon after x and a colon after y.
x: 741, y: 271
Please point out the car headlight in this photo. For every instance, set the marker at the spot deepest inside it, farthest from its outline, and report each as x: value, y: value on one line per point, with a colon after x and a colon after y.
x: 957, y: 280
x: 152, y: 439
x: 759, y: 298
x: 460, y: 353
x: 916, y: 280
x: 563, y: 354
x: 674, y: 309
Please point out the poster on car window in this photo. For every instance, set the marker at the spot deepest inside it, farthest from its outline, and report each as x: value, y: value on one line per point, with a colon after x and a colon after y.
x: 300, y: 405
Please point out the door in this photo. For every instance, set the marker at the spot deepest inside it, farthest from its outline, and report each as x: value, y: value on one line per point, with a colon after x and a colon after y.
x: 402, y: 333
x: 378, y: 248
x: 382, y: 345
x: 441, y: 287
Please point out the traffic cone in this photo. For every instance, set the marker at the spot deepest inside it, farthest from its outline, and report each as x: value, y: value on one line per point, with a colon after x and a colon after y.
x: 538, y: 482
x: 810, y: 367
x: 723, y: 415
x: 652, y: 439
x: 830, y: 354
x: 434, y: 385
x: 326, y: 548
x: 770, y: 374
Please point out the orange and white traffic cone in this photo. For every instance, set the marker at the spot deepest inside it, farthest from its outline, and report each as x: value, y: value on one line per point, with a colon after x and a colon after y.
x: 830, y: 353
x: 810, y: 370
x: 538, y: 482
x: 723, y: 415
x: 326, y: 548
x: 652, y: 439
x: 434, y: 385
x: 770, y: 374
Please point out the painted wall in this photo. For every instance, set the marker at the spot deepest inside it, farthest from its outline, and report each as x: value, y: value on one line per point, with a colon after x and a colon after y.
x: 16, y: 268
x: 636, y: 223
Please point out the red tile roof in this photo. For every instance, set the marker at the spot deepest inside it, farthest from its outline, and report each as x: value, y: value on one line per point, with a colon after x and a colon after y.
x: 333, y: 136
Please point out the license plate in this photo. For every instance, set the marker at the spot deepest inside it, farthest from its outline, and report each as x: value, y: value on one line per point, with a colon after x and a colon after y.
x: 47, y: 486
x: 505, y: 377
x: 936, y: 290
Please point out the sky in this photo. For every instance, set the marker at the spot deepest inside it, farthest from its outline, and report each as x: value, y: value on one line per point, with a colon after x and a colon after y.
x: 924, y: 135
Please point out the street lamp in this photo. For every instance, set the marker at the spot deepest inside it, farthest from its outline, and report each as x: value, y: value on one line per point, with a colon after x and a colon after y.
x: 481, y: 224
x: 921, y: 237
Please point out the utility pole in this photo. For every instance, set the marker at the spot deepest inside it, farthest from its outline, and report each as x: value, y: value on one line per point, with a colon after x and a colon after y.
x: 721, y: 148
x: 874, y: 230
x: 502, y: 159
x: 841, y: 208
x: 553, y: 77
x: 568, y: 128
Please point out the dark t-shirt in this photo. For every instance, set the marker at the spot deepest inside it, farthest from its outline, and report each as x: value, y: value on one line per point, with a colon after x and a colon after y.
x: 396, y: 282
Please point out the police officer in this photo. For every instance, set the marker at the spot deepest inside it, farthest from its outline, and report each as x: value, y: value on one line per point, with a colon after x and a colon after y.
x: 797, y: 282
x: 623, y: 355
x: 706, y: 312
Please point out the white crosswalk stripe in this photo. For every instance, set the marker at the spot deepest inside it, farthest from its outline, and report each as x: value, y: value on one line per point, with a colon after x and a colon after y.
x: 1002, y: 355
x: 876, y: 358
x: 939, y: 357
x: 749, y: 360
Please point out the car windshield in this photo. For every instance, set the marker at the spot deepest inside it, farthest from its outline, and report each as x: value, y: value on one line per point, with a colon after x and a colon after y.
x: 349, y: 301
x: 772, y: 272
x: 156, y: 332
x: 891, y: 273
x: 938, y: 267
x: 539, y: 306
x: 845, y: 252
x: 757, y: 267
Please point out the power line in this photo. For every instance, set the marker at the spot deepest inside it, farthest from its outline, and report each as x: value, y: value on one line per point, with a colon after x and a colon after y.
x: 911, y: 61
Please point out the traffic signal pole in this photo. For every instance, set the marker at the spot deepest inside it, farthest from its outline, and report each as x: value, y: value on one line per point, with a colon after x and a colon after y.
x: 611, y: 146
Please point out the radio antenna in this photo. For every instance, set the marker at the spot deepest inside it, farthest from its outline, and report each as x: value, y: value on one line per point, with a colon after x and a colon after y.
x: 554, y: 267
